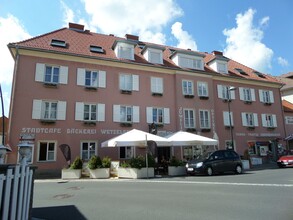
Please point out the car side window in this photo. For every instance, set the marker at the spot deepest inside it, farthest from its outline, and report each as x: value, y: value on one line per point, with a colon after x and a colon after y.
x: 217, y: 156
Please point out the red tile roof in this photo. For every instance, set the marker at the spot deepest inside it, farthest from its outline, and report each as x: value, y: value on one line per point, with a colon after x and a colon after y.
x: 78, y: 43
x: 288, y: 106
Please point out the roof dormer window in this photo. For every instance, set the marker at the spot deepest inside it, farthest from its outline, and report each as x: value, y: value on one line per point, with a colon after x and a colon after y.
x: 220, y: 66
x: 58, y: 43
x: 124, y: 50
x: 96, y: 49
x: 188, y: 59
x: 153, y: 55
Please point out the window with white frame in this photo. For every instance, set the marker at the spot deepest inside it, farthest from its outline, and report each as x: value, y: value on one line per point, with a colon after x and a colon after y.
x: 266, y: 96
x: 89, y: 112
x: 187, y: 87
x: 225, y: 93
x: 126, y: 152
x: 246, y: 94
x: 227, y: 119
x: 189, y: 118
x: 202, y: 89
x: 124, y: 50
x: 222, y: 67
x: 191, y: 62
x: 128, y: 82
x: 88, y: 149
x: 91, y: 78
x: 158, y: 115
x: 49, y: 110
x: 51, y: 74
x: 125, y: 114
x: 204, y: 119
x: 153, y: 55
x: 157, y: 86
x: 249, y: 119
x: 47, y: 150
x: 269, y: 120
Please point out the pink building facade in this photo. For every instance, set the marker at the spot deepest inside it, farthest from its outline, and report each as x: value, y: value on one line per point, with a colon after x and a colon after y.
x: 79, y: 88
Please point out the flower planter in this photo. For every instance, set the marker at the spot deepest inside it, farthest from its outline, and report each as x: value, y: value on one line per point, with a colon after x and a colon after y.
x: 71, y: 174
x: 176, y: 171
x: 134, y: 173
x: 100, y: 173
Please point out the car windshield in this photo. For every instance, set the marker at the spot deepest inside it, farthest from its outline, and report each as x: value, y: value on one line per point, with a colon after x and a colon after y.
x: 205, y: 155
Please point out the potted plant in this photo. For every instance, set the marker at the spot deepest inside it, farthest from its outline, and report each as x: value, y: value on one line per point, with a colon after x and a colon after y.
x: 99, y: 168
x: 136, y: 168
x: 74, y: 170
x: 176, y: 167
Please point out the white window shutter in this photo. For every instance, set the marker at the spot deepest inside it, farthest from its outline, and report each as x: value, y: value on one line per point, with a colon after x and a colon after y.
x: 220, y: 91
x: 80, y: 76
x: 102, y: 79
x: 252, y: 91
x: 275, y: 121
x: 261, y: 98
x: 37, y: 109
x: 271, y: 96
x: 244, y: 120
x: 40, y: 72
x: 135, y: 111
x: 63, y: 77
x: 166, y: 116
x: 226, y: 118
x: 79, y: 108
x: 264, y: 120
x: 153, y: 84
x: 255, y: 119
x: 241, y: 93
x: 149, y: 111
x: 135, y: 82
x: 116, y: 113
x: 101, y: 112
x: 232, y: 93
x: 61, y: 110
x: 161, y: 84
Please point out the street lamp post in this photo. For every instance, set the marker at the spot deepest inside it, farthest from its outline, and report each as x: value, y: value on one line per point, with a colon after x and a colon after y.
x: 229, y: 89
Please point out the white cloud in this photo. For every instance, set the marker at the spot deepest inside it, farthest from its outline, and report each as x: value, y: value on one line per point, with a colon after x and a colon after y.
x: 244, y: 43
x: 68, y: 15
x: 11, y: 31
x: 264, y: 21
x: 185, y: 40
x: 282, y: 61
x: 144, y: 18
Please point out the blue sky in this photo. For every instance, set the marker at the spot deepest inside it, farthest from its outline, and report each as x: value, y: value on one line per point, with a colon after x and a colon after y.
x: 257, y: 33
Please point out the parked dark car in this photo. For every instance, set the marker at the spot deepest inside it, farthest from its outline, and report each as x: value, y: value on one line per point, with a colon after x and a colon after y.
x: 216, y: 162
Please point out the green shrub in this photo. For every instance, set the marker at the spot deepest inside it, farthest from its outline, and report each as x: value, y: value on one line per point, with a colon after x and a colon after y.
x: 106, y: 162
x: 137, y: 162
x: 151, y: 161
x: 125, y: 164
x: 175, y: 162
x: 77, y: 164
x: 95, y: 162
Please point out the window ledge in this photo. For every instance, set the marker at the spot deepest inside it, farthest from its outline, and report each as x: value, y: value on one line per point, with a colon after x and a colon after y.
x: 189, y: 96
x: 91, y: 88
x: 204, y: 97
x: 226, y: 100
x: 205, y: 130
x: 190, y: 129
x: 126, y: 124
x: 250, y: 127
x: 50, y: 85
x: 228, y: 126
x: 157, y: 94
x: 89, y: 123
x: 271, y: 128
x: 267, y: 103
x: 48, y: 121
x: 128, y: 92
x: 248, y: 102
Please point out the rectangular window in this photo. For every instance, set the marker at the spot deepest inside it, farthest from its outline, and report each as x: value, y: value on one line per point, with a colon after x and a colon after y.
x: 126, y: 152
x: 52, y: 74
x: 249, y: 119
x: 49, y: 110
x: 269, y: 120
x: 188, y: 62
x: 157, y: 85
x: 155, y: 57
x: 247, y: 95
x: 91, y: 78
x: 88, y: 149
x: 158, y: 115
x: 126, y: 114
x: 46, y: 151
x: 204, y: 118
x: 187, y: 87
x: 125, y: 82
x: 189, y: 119
x: 90, y: 112
x: 202, y: 89
x: 266, y: 96
x: 222, y: 67
x: 125, y: 52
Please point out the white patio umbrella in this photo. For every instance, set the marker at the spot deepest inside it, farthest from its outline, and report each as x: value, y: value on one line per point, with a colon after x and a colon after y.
x: 182, y: 138
x: 135, y: 138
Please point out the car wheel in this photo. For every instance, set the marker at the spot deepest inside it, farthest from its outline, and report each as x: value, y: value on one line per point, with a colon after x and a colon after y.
x: 209, y: 171
x: 238, y: 169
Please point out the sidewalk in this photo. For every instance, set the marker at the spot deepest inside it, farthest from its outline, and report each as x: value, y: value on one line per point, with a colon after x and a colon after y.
x: 265, y: 166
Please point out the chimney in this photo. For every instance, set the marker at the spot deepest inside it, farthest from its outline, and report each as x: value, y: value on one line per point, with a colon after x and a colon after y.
x: 77, y: 27
x: 219, y: 53
x: 131, y: 37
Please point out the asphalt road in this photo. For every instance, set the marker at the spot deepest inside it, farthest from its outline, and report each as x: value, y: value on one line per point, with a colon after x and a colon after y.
x: 262, y: 194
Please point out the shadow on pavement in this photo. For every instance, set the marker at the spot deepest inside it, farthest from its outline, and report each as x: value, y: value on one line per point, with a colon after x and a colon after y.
x: 57, y: 213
